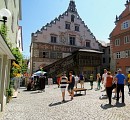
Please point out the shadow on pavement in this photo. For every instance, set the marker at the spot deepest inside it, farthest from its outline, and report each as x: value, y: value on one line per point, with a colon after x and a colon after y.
x: 106, y: 106
x: 119, y: 105
x: 79, y: 94
x: 58, y: 103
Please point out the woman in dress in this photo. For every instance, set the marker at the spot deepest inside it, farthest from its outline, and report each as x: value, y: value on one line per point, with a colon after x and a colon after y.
x: 63, y: 84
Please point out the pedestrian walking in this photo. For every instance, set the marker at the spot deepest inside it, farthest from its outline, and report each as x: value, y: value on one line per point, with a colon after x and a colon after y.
x: 91, y: 81
x: 81, y: 79
x: 76, y: 80
x: 104, y: 76
x: 120, y: 84
x: 108, y: 85
x: 71, y: 82
x: 98, y: 81
x: 63, y: 84
x: 128, y: 77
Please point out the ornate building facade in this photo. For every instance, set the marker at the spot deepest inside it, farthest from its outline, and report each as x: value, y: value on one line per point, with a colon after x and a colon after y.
x: 120, y: 41
x: 14, y: 6
x: 60, y: 39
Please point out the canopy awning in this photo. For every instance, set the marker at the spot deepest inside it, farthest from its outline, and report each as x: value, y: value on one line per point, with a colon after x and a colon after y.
x: 4, y: 49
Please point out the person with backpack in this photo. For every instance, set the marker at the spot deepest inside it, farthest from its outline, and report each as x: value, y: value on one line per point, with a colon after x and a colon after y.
x: 71, y: 82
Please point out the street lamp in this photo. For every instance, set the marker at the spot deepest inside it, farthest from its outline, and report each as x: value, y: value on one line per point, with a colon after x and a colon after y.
x: 4, y: 13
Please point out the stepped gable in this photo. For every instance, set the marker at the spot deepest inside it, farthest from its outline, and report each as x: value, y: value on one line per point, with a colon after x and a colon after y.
x: 72, y: 9
x: 57, y: 27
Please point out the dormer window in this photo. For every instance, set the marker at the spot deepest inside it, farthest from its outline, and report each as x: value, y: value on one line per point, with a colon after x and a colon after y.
x: 125, y: 25
x: 72, y: 18
x: 67, y: 25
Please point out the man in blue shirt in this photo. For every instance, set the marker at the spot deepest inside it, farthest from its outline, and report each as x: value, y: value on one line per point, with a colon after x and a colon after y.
x: 120, y: 84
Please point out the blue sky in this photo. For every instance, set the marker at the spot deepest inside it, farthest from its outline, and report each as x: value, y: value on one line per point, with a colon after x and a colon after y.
x: 98, y: 15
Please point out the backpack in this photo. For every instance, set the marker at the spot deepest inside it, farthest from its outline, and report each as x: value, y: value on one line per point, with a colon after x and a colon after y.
x: 81, y: 77
x: 73, y: 80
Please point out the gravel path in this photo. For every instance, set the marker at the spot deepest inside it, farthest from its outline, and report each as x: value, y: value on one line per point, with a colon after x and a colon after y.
x: 31, y: 105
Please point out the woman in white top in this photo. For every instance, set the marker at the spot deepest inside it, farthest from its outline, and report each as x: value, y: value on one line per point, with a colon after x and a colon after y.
x: 76, y: 80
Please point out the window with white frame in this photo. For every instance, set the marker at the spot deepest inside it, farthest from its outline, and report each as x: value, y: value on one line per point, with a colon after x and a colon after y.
x: 127, y: 69
x: 118, y: 56
x: 45, y: 54
x: 117, y: 42
x: 127, y: 53
x: 125, y: 25
x: 122, y: 54
x: 126, y: 39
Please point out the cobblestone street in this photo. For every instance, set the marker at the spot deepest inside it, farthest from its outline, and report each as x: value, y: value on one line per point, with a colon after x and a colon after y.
x: 31, y: 105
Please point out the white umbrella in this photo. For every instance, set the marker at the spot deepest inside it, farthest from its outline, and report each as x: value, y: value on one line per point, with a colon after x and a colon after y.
x: 38, y: 73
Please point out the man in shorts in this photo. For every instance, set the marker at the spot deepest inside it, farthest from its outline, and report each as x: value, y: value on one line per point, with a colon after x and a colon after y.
x: 81, y: 79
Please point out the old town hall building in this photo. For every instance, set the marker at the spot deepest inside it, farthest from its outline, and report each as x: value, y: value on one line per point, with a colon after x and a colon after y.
x: 65, y: 43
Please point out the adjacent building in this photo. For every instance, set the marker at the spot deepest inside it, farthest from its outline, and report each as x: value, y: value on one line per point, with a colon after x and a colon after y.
x: 60, y: 39
x: 13, y: 37
x: 120, y: 41
x: 105, y: 48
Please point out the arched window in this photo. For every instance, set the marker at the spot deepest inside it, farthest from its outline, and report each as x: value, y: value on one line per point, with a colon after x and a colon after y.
x: 72, y: 18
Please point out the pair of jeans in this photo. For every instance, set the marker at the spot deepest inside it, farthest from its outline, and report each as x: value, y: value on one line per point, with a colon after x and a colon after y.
x: 120, y: 87
x: 109, y: 93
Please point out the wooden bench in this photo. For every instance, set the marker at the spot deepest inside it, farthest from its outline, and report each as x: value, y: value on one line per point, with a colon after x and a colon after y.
x: 79, y: 90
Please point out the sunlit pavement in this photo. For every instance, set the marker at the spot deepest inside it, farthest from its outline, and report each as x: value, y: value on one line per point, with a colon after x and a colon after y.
x: 33, y: 105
